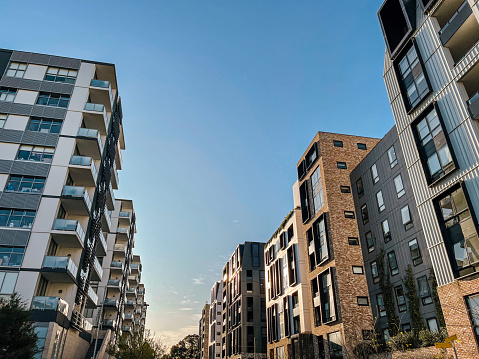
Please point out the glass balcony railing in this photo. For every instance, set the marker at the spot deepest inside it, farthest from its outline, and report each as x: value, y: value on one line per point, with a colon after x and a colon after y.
x: 107, y: 216
x: 88, y: 132
x: 60, y: 263
x: 97, y: 107
x: 128, y: 315
x: 98, y: 267
x: 110, y: 303
x: 108, y: 323
x: 101, y: 237
x: 126, y: 329
x: 130, y: 302
x: 93, y: 296
x: 119, y: 247
x: 69, y: 225
x: 133, y: 278
x: 50, y: 303
x: 131, y: 291
x: 134, y: 266
x: 79, y: 321
x: 113, y: 282
x: 100, y: 83
x: 123, y: 230
x: 84, y: 161
x: 77, y: 192
x: 124, y: 214
x: 116, y: 264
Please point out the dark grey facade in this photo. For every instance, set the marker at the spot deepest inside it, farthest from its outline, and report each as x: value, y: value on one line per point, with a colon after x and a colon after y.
x: 403, y: 245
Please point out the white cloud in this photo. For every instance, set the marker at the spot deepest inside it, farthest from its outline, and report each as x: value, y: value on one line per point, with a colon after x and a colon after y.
x: 199, y: 281
x: 170, y: 337
x: 183, y: 309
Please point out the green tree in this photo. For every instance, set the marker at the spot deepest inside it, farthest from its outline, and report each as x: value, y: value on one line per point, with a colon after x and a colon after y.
x: 187, y: 348
x: 387, y: 292
x: 18, y: 339
x: 414, y: 306
x: 141, y: 345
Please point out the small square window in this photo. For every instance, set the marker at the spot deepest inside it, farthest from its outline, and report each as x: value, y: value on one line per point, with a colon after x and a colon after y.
x: 362, y: 146
x: 358, y: 270
x: 348, y: 214
x: 345, y: 189
x: 342, y: 165
x: 353, y: 241
x: 249, y: 287
x: 363, y: 301
x: 249, y: 274
x: 338, y: 143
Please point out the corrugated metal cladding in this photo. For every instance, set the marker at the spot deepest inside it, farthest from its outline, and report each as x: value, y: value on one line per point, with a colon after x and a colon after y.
x: 35, y: 85
x: 15, y: 108
x: 29, y: 168
x: 48, y: 60
x: 466, y: 62
x: 11, y: 237
x: 29, y: 137
x: 29, y: 201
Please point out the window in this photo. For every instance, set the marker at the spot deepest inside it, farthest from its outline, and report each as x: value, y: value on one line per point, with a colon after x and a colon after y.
x: 249, y: 274
x: 369, y: 241
x: 380, y: 201
x: 249, y: 287
x: 424, y: 292
x: 11, y: 256
x: 335, y: 345
x: 61, y: 75
x: 381, y: 306
x: 433, y: 148
x: 345, y: 189
x: 364, y: 213
x: 44, y: 125
x: 412, y: 79
x: 7, y: 94
x: 374, y: 174
x: 328, y: 307
x: 342, y: 165
x: 406, y: 218
x: 472, y: 303
x: 280, y: 353
x: 386, y: 231
x: 53, y: 99
x: 393, y: 161
x: 374, y: 272
x: 362, y: 146
x: 318, y: 198
x: 393, y: 264
x: 255, y: 254
x: 7, y: 282
x: 415, y: 252
x: 3, y: 119
x: 311, y: 156
x: 303, y: 193
x: 363, y: 301
x: 400, y: 299
x: 16, y: 69
x: 25, y: 184
x: 359, y: 187
x: 358, y: 270
x: 349, y: 214
x: 432, y: 325
x: 320, y: 239
x: 353, y: 241
x: 36, y: 153
x: 459, y: 231
x: 338, y: 143
x: 16, y: 218
x: 399, y: 186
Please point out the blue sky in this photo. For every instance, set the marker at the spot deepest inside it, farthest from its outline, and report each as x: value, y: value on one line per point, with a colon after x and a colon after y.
x: 220, y: 99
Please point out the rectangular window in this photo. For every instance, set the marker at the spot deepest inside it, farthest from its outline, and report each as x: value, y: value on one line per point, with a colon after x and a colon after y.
x: 303, y: 193
x: 255, y: 254
x: 11, y: 256
x: 381, y: 306
x: 7, y: 282
x: 320, y: 240
x: 412, y: 80
x: 364, y: 214
x: 393, y: 161
x: 61, y: 75
x: 363, y: 301
x: 380, y: 201
x: 342, y: 165
x: 374, y: 272
x: 472, y: 303
x: 16, y: 69
x: 359, y: 187
x: 424, y: 292
x: 362, y: 146
x: 249, y: 274
x: 25, y: 184
x: 386, y: 231
x: 3, y: 119
x: 53, y: 99
x: 369, y: 241
x: 44, y: 125
x: 436, y: 156
x: 358, y: 270
x: 349, y: 214
x: 399, y: 186
x: 400, y: 299
x: 338, y: 143
x: 374, y: 174
x: 432, y: 325
x: 335, y: 345
x: 16, y: 218
x: 406, y: 218
x: 328, y: 306
x: 345, y: 189
x: 7, y: 94
x: 36, y: 153
x: 393, y: 264
x: 415, y: 252
x: 459, y: 230
x: 353, y: 241
x: 318, y: 198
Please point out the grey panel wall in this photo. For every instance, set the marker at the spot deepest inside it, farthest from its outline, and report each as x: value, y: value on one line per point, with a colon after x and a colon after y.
x: 42, y: 59
x: 11, y: 237
x: 24, y: 168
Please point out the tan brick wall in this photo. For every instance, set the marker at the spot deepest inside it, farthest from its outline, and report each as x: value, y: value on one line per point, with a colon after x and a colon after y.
x: 75, y: 347
x: 282, y: 343
x: 457, y: 316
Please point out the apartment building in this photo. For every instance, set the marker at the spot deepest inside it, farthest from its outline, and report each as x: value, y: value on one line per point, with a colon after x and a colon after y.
x: 244, y: 305
x: 340, y: 308
x: 392, y: 239
x: 216, y: 324
x: 431, y: 71
x: 204, y: 328
x: 61, y: 137
x: 288, y: 302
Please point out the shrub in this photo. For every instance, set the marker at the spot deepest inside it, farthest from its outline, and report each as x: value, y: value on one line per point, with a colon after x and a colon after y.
x: 403, y: 341
x: 429, y: 338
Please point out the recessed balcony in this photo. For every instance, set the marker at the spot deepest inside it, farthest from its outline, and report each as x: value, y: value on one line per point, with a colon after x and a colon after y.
x: 124, y: 218
x: 134, y: 268
x: 130, y: 303
x: 111, y: 303
x: 97, y: 270
x: 50, y: 303
x: 114, y: 284
x: 89, y: 142
x: 133, y: 279
x: 59, y: 269
x: 101, y: 246
x: 106, y: 220
x: 119, y: 250
x: 91, y: 294
x: 83, y: 171
x: 115, y: 180
x: 128, y: 316
x: 95, y: 117
x: 79, y: 322
x: 110, y: 198
x: 76, y: 200
x: 100, y: 93
x: 123, y: 233
x: 68, y: 233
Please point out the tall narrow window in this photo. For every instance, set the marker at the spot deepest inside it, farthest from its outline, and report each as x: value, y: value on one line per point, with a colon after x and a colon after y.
x: 364, y: 213
x: 321, y: 244
x: 386, y: 231
x: 380, y: 201
x: 318, y: 198
x: 359, y: 187
x: 328, y: 307
x: 369, y: 241
x: 400, y: 299
x: 303, y: 193
x: 393, y: 161
x: 406, y: 218
x: 399, y: 186
x: 255, y: 254
x: 374, y: 272
x: 374, y: 174
x: 335, y: 345
x: 393, y: 264
x: 424, y: 292
x: 381, y: 306
x: 415, y: 252
x: 473, y: 309
x: 412, y: 79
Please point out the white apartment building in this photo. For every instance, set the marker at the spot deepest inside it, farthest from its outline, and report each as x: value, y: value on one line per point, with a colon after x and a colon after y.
x: 216, y: 322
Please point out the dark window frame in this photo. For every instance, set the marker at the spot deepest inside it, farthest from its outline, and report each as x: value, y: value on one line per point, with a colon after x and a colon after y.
x: 345, y: 189
x: 362, y: 146
x: 342, y: 165
x: 337, y: 143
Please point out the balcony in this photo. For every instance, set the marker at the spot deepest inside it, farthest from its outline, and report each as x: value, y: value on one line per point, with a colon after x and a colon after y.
x: 115, y: 180
x: 114, y: 284
x: 76, y: 200
x: 116, y: 266
x: 95, y: 117
x: 97, y: 271
x: 124, y: 218
x: 110, y: 198
x: 59, y: 269
x: 123, y: 233
x: 130, y: 303
x: 118, y: 157
x: 79, y: 322
x: 141, y: 291
x: 89, y: 142
x: 133, y: 279
x: 106, y: 221
x: 108, y: 324
x: 111, y: 303
x: 68, y: 233
x: 119, y: 250
x: 101, y: 246
x: 91, y: 294
x: 131, y: 293
x: 128, y: 316
x: 83, y: 171
x: 50, y: 303
x: 100, y: 93
x: 134, y: 268
x: 126, y: 329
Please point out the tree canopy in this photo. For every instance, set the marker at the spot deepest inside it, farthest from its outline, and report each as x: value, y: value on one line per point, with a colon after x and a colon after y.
x: 141, y: 345
x: 187, y: 348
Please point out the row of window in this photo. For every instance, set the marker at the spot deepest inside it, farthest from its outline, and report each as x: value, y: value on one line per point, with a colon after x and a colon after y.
x: 55, y: 74
x: 44, y: 98
x: 361, y: 146
x: 37, y: 124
